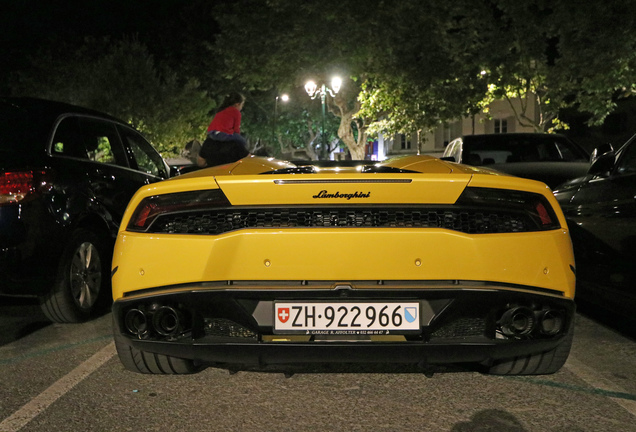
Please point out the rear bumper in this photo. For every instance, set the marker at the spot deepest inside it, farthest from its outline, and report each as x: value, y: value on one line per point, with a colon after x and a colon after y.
x: 234, y: 327
x: 262, y: 355
x: 540, y: 259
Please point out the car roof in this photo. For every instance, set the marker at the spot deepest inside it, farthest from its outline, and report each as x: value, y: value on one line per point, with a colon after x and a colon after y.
x: 27, y: 122
x: 512, y: 136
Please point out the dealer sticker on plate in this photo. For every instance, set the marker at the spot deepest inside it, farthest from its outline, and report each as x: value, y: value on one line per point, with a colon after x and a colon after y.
x: 332, y: 318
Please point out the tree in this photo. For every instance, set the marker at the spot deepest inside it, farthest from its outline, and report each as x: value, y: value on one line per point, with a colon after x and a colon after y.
x: 556, y: 56
x: 403, y: 76
x: 547, y: 56
x: 287, y: 130
x: 595, y: 58
x: 553, y: 55
x: 424, y: 69
x: 267, y: 45
x: 122, y: 79
x: 407, y: 65
x: 418, y: 64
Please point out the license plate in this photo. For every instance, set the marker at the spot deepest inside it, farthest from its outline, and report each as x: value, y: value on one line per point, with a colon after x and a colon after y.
x: 347, y: 318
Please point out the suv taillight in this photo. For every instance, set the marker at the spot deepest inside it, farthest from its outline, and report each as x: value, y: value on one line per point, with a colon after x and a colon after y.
x: 15, y: 186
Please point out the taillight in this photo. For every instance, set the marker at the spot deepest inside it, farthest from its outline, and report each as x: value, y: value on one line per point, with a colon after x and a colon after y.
x: 15, y: 186
x: 544, y: 216
x: 154, y: 207
x: 148, y: 210
x: 534, y: 206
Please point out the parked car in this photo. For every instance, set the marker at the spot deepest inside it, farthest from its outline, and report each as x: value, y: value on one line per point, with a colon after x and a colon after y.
x: 550, y: 158
x: 66, y: 176
x: 263, y: 263
x: 601, y: 213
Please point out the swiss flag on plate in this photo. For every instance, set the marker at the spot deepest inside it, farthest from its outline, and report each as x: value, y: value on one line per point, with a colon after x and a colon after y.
x: 283, y: 314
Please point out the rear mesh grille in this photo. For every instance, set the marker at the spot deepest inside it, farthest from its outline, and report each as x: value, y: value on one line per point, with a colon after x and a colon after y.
x: 461, y: 328
x: 220, y: 327
x: 219, y: 221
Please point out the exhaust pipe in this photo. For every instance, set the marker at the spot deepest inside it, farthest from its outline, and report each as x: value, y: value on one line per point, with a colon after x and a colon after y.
x: 167, y: 321
x: 551, y: 322
x: 136, y: 323
x: 517, y: 321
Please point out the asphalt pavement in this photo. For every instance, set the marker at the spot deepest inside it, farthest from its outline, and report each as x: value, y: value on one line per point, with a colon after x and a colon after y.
x: 68, y: 378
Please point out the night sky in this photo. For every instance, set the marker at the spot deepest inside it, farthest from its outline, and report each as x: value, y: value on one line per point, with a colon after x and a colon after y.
x: 28, y: 25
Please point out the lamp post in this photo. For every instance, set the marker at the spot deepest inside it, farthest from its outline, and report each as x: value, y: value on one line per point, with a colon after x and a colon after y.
x: 313, y: 91
x: 284, y: 98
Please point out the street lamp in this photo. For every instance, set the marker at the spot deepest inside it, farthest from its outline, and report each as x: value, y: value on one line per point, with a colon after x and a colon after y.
x: 313, y: 91
x: 284, y: 98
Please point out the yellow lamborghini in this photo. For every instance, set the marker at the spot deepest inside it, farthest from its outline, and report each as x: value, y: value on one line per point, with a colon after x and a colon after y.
x: 415, y: 260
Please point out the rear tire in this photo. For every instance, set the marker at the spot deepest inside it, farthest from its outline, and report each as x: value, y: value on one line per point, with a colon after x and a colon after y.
x: 82, y: 280
x: 544, y: 363
x: 149, y: 363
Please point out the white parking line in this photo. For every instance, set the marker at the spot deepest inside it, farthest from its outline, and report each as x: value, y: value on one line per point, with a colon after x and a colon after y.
x: 28, y: 412
x: 592, y: 378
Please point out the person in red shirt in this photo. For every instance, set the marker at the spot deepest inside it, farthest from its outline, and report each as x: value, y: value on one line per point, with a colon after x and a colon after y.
x: 224, y: 142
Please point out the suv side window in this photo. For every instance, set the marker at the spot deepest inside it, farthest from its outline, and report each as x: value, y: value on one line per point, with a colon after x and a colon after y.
x: 102, y: 142
x: 67, y: 140
x: 146, y: 158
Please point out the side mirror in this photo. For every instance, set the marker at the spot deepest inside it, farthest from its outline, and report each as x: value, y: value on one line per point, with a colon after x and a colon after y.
x: 600, y: 151
x: 602, y: 164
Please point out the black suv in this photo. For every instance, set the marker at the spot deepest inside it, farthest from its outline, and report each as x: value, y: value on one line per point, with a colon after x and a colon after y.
x: 66, y: 176
x: 601, y: 212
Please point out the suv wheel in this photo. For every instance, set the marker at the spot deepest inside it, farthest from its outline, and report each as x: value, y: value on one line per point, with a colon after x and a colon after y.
x: 82, y: 276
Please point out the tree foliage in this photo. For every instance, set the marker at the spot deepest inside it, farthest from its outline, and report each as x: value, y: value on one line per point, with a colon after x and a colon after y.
x: 278, y: 43
x: 288, y: 130
x: 595, y: 61
x: 122, y: 79
x: 560, y: 55
x: 425, y: 70
x: 407, y: 65
x: 417, y: 64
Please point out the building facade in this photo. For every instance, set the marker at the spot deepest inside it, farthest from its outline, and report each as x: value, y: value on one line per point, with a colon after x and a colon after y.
x: 501, y: 119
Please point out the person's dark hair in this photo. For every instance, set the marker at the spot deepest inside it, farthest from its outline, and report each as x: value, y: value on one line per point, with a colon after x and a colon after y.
x: 231, y: 99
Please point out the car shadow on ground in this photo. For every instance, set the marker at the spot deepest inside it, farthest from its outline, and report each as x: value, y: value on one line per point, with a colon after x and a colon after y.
x: 626, y: 326
x: 19, y: 317
x: 428, y: 370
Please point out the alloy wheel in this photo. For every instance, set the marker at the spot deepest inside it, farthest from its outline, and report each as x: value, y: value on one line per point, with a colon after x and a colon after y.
x: 86, y: 275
